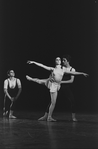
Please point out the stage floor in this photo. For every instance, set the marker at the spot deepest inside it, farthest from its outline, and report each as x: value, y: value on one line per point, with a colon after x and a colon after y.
x: 26, y: 132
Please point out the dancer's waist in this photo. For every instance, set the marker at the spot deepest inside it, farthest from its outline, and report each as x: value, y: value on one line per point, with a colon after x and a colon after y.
x: 53, y: 80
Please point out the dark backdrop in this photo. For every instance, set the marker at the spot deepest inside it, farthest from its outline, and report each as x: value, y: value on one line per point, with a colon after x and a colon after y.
x: 41, y: 31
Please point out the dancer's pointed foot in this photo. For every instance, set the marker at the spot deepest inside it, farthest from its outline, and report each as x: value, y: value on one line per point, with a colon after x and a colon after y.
x: 28, y: 78
x: 43, y: 118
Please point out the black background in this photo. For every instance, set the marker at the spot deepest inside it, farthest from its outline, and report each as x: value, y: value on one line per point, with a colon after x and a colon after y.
x: 42, y: 30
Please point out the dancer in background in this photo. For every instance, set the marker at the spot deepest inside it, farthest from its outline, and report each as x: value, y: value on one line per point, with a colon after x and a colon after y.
x: 12, y: 90
x: 53, y: 82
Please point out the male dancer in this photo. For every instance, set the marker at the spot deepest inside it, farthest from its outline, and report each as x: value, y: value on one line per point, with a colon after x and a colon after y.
x: 68, y: 79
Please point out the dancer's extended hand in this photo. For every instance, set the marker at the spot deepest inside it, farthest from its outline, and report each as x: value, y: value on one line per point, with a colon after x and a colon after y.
x: 30, y: 62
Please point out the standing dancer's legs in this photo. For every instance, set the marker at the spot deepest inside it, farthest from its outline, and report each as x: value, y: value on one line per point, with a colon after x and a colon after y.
x: 49, y: 111
x: 52, y: 105
x: 48, y: 115
x: 72, y: 102
x: 70, y: 97
x: 53, y: 94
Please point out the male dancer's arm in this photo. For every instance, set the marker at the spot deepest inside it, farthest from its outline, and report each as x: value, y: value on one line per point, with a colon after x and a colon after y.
x: 78, y: 73
x: 68, y: 81
x: 75, y: 73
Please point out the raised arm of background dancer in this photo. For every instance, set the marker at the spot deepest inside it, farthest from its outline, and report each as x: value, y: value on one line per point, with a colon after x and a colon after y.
x: 68, y: 81
x: 40, y: 65
x: 76, y: 73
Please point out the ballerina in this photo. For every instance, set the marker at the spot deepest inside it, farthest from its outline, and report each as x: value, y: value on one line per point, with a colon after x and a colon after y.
x: 53, y: 82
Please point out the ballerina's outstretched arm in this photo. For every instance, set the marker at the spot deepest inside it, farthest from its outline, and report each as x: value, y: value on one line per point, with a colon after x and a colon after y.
x: 40, y: 65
